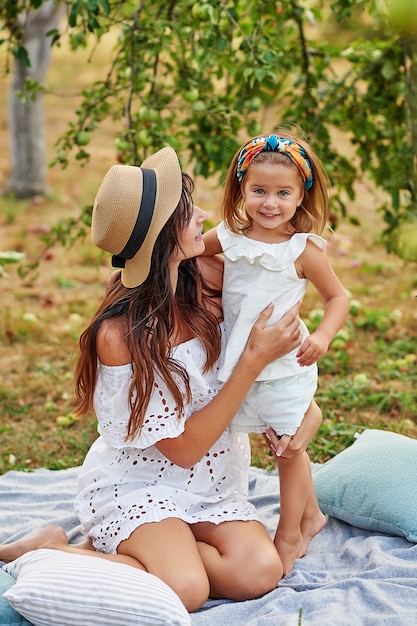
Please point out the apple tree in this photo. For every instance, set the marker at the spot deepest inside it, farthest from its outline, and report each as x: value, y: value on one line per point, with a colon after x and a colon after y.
x: 198, y: 75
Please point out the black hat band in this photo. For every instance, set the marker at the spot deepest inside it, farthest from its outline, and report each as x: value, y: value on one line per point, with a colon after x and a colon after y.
x: 143, y: 220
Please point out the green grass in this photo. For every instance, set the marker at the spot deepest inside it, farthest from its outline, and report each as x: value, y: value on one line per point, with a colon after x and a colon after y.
x: 367, y: 379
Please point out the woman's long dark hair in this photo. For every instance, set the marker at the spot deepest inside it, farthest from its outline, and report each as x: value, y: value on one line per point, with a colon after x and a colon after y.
x: 147, y: 316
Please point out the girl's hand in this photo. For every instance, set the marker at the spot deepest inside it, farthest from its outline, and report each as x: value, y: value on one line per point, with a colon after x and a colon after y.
x: 267, y: 343
x: 312, y: 349
x: 288, y: 446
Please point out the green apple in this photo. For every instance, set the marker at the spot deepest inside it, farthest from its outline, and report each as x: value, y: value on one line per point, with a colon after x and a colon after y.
x: 192, y: 94
x: 31, y: 318
x: 65, y: 420
x: 354, y: 307
x: 202, y: 11
x: 254, y: 104
x: 199, y: 106
x: 361, y: 379
x: 82, y: 138
x: 343, y: 334
x: 50, y: 405
x: 122, y: 144
x: 403, y: 16
x: 404, y: 240
x: 144, y: 138
x: 340, y: 340
x: 316, y: 315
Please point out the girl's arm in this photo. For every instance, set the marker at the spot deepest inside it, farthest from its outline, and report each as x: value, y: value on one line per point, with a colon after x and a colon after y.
x: 314, y: 265
x: 211, y: 242
x: 203, y: 428
x: 212, y: 268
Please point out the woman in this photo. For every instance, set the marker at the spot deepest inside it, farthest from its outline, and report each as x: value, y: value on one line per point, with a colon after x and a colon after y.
x: 164, y: 487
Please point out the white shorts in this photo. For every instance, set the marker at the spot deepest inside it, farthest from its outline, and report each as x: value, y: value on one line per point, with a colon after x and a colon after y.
x: 279, y: 404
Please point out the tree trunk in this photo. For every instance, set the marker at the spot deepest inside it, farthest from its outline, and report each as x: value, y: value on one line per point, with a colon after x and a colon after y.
x: 411, y: 73
x: 28, y: 154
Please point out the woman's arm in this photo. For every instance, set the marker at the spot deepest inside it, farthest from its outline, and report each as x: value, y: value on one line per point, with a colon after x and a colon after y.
x: 203, y: 428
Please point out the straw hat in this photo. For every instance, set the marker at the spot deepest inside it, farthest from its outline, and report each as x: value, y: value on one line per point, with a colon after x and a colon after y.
x: 131, y: 207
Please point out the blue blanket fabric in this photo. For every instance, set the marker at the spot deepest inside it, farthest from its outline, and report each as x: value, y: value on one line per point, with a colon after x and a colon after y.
x: 350, y: 577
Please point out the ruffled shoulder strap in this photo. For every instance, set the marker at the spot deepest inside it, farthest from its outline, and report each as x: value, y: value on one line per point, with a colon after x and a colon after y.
x: 272, y: 256
x: 319, y: 241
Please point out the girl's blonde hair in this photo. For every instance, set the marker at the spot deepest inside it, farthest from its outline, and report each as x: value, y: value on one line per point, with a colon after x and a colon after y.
x: 313, y: 212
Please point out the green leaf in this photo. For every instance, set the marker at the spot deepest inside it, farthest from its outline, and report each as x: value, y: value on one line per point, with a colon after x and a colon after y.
x: 11, y: 257
x: 73, y: 14
x: 21, y: 55
x: 388, y: 70
x: 105, y: 6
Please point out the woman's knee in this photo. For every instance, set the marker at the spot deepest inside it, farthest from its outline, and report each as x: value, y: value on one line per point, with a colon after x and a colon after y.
x: 191, y: 587
x: 267, y: 567
x: 260, y: 574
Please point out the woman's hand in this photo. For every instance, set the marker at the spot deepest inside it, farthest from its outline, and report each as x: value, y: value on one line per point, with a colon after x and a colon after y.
x: 287, y: 446
x: 267, y: 343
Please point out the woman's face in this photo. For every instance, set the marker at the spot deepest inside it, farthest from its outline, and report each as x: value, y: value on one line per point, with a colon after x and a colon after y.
x: 191, y: 243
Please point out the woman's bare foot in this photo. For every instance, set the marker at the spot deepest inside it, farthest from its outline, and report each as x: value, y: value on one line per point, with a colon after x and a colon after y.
x: 53, y: 537
x: 288, y: 548
x: 310, y: 528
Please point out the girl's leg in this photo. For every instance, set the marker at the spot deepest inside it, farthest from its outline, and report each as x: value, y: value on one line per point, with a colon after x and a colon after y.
x: 313, y: 520
x: 239, y: 557
x: 293, y: 479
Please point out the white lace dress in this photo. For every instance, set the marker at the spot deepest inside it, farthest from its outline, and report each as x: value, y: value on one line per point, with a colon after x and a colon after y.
x: 123, y: 485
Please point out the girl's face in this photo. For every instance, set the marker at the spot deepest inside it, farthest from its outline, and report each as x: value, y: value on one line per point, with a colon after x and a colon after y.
x: 271, y: 192
x: 191, y: 241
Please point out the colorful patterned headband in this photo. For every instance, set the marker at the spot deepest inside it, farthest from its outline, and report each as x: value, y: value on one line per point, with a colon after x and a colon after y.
x: 273, y: 143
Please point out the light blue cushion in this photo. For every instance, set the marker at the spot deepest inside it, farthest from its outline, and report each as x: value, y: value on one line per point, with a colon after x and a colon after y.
x: 8, y: 616
x: 372, y: 484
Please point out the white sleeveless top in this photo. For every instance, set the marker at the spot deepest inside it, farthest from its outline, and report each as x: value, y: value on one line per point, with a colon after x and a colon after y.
x: 255, y: 274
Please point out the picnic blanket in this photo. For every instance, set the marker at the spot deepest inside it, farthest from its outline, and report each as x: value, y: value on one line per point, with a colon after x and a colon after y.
x: 350, y: 577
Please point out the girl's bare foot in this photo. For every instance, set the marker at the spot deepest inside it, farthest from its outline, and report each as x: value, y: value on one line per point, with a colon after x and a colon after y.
x: 288, y: 548
x: 310, y: 528
x: 48, y: 537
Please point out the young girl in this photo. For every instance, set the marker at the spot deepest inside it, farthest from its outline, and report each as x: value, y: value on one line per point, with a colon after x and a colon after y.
x: 275, y: 206
x: 164, y: 487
